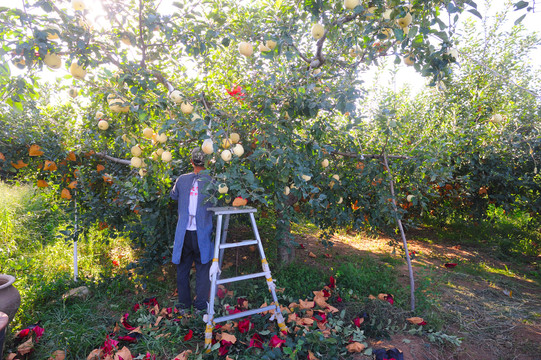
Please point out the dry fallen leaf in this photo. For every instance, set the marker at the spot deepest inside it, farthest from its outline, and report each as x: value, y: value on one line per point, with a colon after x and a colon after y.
x: 311, y: 356
x: 123, y: 353
x: 306, y: 304
x: 355, y: 347
x: 293, y: 306
x: 332, y: 309
x: 292, y: 318
x: 26, y: 347
x: 10, y: 356
x: 158, y: 320
x: 312, y: 255
x: 305, y: 321
x: 94, y: 355
x: 321, y: 301
x: 229, y: 337
x: 183, y: 355
x: 58, y: 355
x: 228, y: 327
x: 371, y: 297
x: 35, y: 150
x: 415, y: 320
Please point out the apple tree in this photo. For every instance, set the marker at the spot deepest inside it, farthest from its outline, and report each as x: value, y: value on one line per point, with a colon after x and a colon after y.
x: 148, y: 85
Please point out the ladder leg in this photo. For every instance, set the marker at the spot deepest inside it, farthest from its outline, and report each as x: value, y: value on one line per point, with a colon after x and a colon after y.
x: 213, y: 278
x: 224, y: 238
x: 270, y: 282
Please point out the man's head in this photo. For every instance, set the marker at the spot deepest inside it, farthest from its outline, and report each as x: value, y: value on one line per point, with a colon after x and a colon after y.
x: 198, y: 157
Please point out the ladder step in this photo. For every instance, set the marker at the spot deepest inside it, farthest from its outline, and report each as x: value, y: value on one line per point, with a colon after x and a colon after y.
x: 244, y: 313
x: 239, y: 278
x: 238, y: 244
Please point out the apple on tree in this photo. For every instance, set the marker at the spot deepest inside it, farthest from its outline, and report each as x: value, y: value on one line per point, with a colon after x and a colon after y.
x: 208, y: 146
x: 77, y: 71
x: 103, y: 125
x: 186, y: 108
x: 246, y: 49
x: 317, y: 31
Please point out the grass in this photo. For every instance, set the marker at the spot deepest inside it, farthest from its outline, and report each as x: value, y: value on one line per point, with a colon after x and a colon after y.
x: 41, y: 259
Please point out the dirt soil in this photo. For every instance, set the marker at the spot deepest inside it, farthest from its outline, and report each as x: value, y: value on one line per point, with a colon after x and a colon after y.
x: 496, y: 314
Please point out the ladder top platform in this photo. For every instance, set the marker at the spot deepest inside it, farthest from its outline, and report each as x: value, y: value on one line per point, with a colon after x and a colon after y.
x: 224, y: 210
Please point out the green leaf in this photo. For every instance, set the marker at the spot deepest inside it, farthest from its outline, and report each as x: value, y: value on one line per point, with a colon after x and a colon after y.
x: 519, y: 20
x: 476, y: 13
x: 520, y: 5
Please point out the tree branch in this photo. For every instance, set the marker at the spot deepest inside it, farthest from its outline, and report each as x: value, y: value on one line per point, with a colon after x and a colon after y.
x: 401, y: 228
x: 370, y: 156
x: 113, y: 159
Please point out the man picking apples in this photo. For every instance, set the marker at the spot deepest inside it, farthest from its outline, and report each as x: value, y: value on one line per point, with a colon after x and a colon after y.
x: 193, y: 234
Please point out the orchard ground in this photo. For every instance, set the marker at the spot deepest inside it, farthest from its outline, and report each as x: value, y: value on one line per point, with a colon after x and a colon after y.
x: 491, y: 300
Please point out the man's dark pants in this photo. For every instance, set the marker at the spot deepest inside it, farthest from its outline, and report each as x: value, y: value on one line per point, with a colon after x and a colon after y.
x: 190, y: 253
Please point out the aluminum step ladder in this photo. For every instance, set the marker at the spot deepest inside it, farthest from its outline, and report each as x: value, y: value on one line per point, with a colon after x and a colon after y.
x: 222, y: 224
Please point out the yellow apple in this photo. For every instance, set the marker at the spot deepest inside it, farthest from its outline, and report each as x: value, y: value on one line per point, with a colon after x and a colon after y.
x: 496, y: 118
x: 387, y: 32
x: 136, y: 150
x: 77, y: 71
x: 263, y: 48
x: 286, y: 191
x: 161, y: 138
x: 116, y: 104
x: 325, y: 163
x: 409, y: 60
x: 336, y: 177
x: 351, y: 4
x: 222, y: 188
x: 20, y: 62
x: 405, y: 21
x: 238, y: 150
x: 78, y: 5
x: 186, y: 108
x: 234, y: 137
x: 226, y: 143
x: 176, y: 96
x: 317, y: 31
x: 142, y: 172
x: 208, y: 146
x: 125, y: 138
x: 387, y: 14
x: 148, y: 132
x: 52, y: 60
x: 341, y: 200
x: 271, y: 44
x: 226, y: 155
x: 159, y: 152
x: 410, y: 198
x: 166, y: 156
x: 306, y: 177
x: 73, y: 92
x: 246, y: 49
x: 136, y: 162
x: 52, y: 34
x: 126, y: 40
x: 103, y: 125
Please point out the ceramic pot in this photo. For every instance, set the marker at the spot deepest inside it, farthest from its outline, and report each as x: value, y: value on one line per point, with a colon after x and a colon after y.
x: 10, y: 300
x: 4, y: 320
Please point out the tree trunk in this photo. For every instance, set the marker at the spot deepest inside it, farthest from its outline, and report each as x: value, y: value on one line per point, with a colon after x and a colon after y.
x: 286, y: 248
